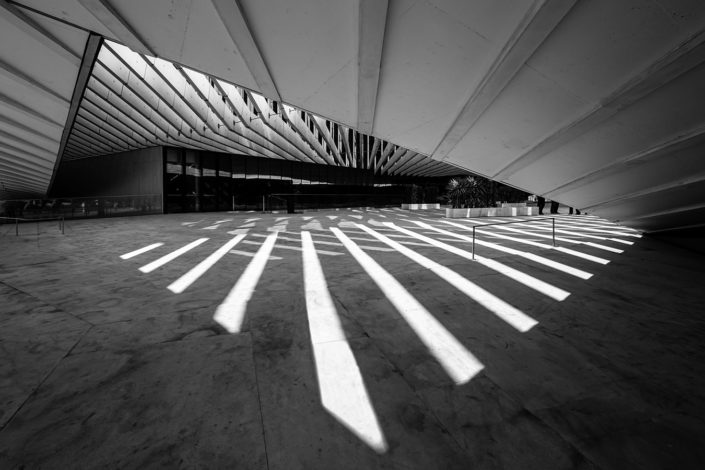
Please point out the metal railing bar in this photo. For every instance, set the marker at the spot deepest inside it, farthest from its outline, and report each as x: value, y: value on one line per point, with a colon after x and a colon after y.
x: 553, y: 224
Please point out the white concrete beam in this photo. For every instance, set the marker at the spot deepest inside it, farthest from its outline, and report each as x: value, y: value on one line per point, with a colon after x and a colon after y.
x: 673, y: 64
x: 670, y: 211
x: 18, y: 76
x: 660, y: 150
x: 373, y: 152
x: 35, y: 30
x: 27, y: 111
x: 233, y: 17
x: 344, y: 136
x: 409, y: 163
x: 422, y: 168
x: 691, y: 179
x: 28, y: 129
x: 372, y: 23
x: 396, y: 156
x: 84, y: 73
x: 387, y: 150
x: 535, y: 26
x: 116, y: 24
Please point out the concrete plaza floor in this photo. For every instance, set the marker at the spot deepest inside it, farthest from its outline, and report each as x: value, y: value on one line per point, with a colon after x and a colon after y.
x: 587, y: 355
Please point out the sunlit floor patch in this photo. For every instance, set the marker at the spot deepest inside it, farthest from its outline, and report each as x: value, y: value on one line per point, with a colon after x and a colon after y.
x: 494, y: 304
x: 249, y: 254
x: 602, y: 226
x: 568, y: 251
x: 217, y: 224
x: 340, y: 382
x: 531, y: 282
x: 582, y: 234
x: 147, y: 248
x: 543, y: 228
x: 321, y: 242
x: 182, y: 283
x: 546, y: 236
x: 148, y: 268
x: 295, y: 248
x: 456, y: 360
x: 312, y: 225
x: 231, y: 312
x: 238, y: 231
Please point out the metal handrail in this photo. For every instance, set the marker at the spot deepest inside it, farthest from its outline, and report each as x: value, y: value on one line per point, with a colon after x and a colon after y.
x: 552, y: 219
x: 17, y: 220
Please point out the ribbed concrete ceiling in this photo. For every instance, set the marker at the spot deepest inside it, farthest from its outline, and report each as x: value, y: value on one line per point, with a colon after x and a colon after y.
x: 594, y: 103
x: 39, y: 64
x: 135, y: 101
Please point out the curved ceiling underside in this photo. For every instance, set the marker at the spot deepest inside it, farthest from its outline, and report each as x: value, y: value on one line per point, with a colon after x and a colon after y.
x: 597, y: 104
x: 133, y: 101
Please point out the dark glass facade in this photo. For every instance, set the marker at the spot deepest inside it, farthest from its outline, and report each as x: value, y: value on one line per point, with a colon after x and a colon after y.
x: 207, y: 181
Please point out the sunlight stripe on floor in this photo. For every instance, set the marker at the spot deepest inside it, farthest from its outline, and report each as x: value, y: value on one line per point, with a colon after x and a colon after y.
x: 531, y: 282
x: 602, y: 225
x: 231, y: 312
x: 568, y: 251
x: 182, y: 283
x: 295, y: 248
x: 580, y: 234
x: 147, y: 248
x: 456, y: 360
x: 606, y: 229
x: 321, y: 242
x: 340, y: 382
x: 251, y: 255
x: 550, y: 237
x: 515, y: 317
x: 148, y: 268
x: 316, y: 235
x: 548, y: 228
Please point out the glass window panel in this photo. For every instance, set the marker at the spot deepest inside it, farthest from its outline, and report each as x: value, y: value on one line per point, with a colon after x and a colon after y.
x: 239, y: 168
x: 251, y: 168
x: 264, y: 168
x: 224, y: 166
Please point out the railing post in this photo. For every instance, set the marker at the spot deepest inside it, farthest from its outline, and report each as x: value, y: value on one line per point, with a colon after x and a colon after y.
x: 473, y: 242
x: 553, y: 219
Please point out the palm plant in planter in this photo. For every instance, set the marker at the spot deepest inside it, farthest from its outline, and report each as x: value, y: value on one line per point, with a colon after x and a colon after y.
x: 469, y: 196
x: 470, y: 191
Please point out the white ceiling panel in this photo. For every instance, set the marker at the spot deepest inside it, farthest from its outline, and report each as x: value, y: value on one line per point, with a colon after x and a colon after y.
x: 542, y: 94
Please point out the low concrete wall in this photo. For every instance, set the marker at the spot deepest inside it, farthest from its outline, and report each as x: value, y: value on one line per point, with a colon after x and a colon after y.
x: 415, y: 207
x: 490, y: 212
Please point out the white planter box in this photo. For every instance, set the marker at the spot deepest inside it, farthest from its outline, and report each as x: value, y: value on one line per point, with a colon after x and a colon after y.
x: 490, y: 212
x: 415, y: 207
